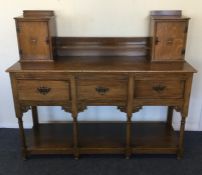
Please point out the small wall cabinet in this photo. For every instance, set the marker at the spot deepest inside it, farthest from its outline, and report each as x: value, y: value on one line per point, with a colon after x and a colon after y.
x: 168, y: 32
x: 35, y: 31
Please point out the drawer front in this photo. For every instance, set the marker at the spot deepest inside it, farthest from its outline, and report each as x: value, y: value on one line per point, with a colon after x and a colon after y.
x: 106, y: 89
x: 41, y: 90
x: 159, y: 89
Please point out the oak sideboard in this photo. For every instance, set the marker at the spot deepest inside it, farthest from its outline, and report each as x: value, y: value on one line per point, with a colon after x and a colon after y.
x: 77, y: 72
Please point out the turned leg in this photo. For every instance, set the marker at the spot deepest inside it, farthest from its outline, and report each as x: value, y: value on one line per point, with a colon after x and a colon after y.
x: 75, y: 138
x: 128, y: 137
x: 170, y: 116
x: 181, y: 138
x: 129, y: 111
x: 23, y: 140
x: 35, y: 117
x: 74, y: 116
x: 184, y: 113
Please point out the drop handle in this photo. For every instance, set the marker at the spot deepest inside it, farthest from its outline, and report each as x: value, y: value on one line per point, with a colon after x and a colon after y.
x: 43, y: 90
x: 102, y: 90
x: 159, y: 88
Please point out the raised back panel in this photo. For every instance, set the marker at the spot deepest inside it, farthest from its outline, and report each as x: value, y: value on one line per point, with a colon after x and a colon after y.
x: 83, y: 46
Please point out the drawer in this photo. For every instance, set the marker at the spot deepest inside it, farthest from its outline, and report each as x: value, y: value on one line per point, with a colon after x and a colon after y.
x: 42, y: 90
x: 104, y: 89
x: 159, y: 88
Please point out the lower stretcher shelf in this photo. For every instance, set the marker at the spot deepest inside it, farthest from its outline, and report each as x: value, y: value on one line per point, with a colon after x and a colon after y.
x: 101, y: 137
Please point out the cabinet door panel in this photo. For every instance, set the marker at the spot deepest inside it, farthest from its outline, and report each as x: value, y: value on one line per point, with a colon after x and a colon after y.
x: 170, y: 40
x: 33, y: 40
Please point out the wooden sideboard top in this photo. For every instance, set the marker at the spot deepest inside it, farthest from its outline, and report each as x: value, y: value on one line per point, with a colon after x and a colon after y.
x: 102, y: 64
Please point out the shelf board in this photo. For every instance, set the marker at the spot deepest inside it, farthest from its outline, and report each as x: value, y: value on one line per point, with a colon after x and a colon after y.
x: 101, y: 137
x: 50, y: 138
x: 153, y: 138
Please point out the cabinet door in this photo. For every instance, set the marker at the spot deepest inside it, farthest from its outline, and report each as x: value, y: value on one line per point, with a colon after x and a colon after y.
x: 170, y: 40
x: 33, y: 40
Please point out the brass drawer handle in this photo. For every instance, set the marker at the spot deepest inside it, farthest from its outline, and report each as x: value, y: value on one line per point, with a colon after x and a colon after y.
x: 43, y: 90
x: 101, y: 90
x: 159, y: 88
